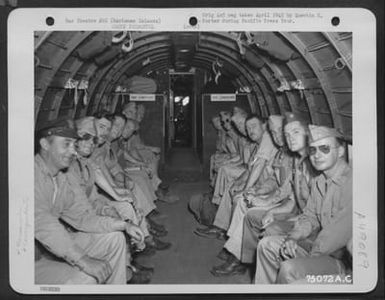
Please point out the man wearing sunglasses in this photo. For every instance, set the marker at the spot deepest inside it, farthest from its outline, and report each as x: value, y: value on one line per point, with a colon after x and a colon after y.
x: 324, y: 227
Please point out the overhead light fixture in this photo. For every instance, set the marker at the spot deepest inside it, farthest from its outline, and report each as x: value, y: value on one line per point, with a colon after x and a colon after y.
x: 184, y: 50
x: 177, y: 99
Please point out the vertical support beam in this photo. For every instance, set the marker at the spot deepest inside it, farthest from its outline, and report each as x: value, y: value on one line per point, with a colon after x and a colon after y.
x: 316, y: 68
x: 340, y: 48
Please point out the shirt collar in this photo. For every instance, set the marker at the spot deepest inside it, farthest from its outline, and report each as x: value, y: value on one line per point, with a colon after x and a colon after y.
x: 44, y: 168
x: 341, y: 173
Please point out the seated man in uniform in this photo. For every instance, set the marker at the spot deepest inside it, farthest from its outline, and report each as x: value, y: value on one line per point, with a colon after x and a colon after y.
x: 110, y: 167
x: 92, y: 247
x: 267, y: 194
x: 106, y: 160
x: 149, y: 154
x: 236, y: 165
x: 141, y: 184
x: 230, y: 169
x: 145, y: 156
x: 277, y: 220
x: 230, y: 141
x: 327, y: 216
x: 222, y: 152
x: 260, y: 157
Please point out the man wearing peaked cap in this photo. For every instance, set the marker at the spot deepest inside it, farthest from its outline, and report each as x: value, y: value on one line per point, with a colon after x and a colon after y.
x: 59, y: 202
x: 57, y: 144
x: 316, y: 244
x: 64, y: 128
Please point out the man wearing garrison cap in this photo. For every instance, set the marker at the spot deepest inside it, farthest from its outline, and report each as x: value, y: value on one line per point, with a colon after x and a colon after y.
x: 92, y: 247
x: 327, y: 216
x: 293, y: 193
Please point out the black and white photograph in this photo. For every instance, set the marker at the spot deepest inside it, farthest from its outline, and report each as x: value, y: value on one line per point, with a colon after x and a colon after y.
x: 216, y: 155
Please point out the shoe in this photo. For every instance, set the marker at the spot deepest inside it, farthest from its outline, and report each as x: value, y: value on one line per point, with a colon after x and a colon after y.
x: 204, y: 229
x: 164, y: 186
x: 156, y: 225
x: 160, y: 194
x: 224, y: 254
x: 148, y: 251
x: 137, y: 266
x: 154, y: 213
x: 140, y: 277
x: 160, y: 245
x: 229, y: 268
x: 165, y: 197
x: 212, y: 233
x: 157, y: 233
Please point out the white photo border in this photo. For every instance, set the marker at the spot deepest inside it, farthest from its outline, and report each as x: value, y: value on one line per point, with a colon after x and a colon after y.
x: 21, y: 25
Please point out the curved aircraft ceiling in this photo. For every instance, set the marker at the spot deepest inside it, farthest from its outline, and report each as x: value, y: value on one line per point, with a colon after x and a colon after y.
x: 306, y: 72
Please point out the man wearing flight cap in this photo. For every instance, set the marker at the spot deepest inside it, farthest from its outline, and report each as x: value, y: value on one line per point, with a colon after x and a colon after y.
x: 92, y: 247
x: 258, y: 223
x: 327, y: 215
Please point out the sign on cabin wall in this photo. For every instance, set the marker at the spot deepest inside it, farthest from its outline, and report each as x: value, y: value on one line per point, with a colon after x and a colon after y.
x: 142, y: 97
x: 223, y: 97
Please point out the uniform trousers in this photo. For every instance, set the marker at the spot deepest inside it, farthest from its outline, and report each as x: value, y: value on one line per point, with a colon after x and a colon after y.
x: 225, y: 178
x: 253, y: 231
x: 272, y: 268
x: 235, y: 230
x: 109, y: 246
x: 153, y: 160
x: 143, y: 190
x: 216, y: 160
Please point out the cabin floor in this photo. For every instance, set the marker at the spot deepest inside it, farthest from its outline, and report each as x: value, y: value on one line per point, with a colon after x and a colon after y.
x: 190, y: 257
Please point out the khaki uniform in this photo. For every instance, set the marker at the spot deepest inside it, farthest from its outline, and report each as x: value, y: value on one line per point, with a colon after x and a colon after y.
x: 82, y: 171
x: 128, y: 146
x: 147, y: 155
x: 220, y: 160
x: 143, y: 189
x: 58, y: 203
x: 222, y: 153
x: 328, y: 214
x: 300, y: 173
x: 261, y: 154
x: 277, y: 181
x: 107, y: 161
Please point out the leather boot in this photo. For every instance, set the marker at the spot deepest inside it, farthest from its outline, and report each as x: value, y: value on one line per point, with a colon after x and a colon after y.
x: 158, y: 244
x: 139, y: 277
x: 231, y: 267
x: 139, y: 267
x: 224, y: 254
x: 157, y: 233
x: 211, y: 233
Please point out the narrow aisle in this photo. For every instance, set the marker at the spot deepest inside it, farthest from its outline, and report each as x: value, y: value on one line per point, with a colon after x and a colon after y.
x: 191, y: 257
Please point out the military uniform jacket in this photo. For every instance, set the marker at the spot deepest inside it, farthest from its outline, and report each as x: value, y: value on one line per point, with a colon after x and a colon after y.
x: 328, y: 211
x: 58, y: 200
